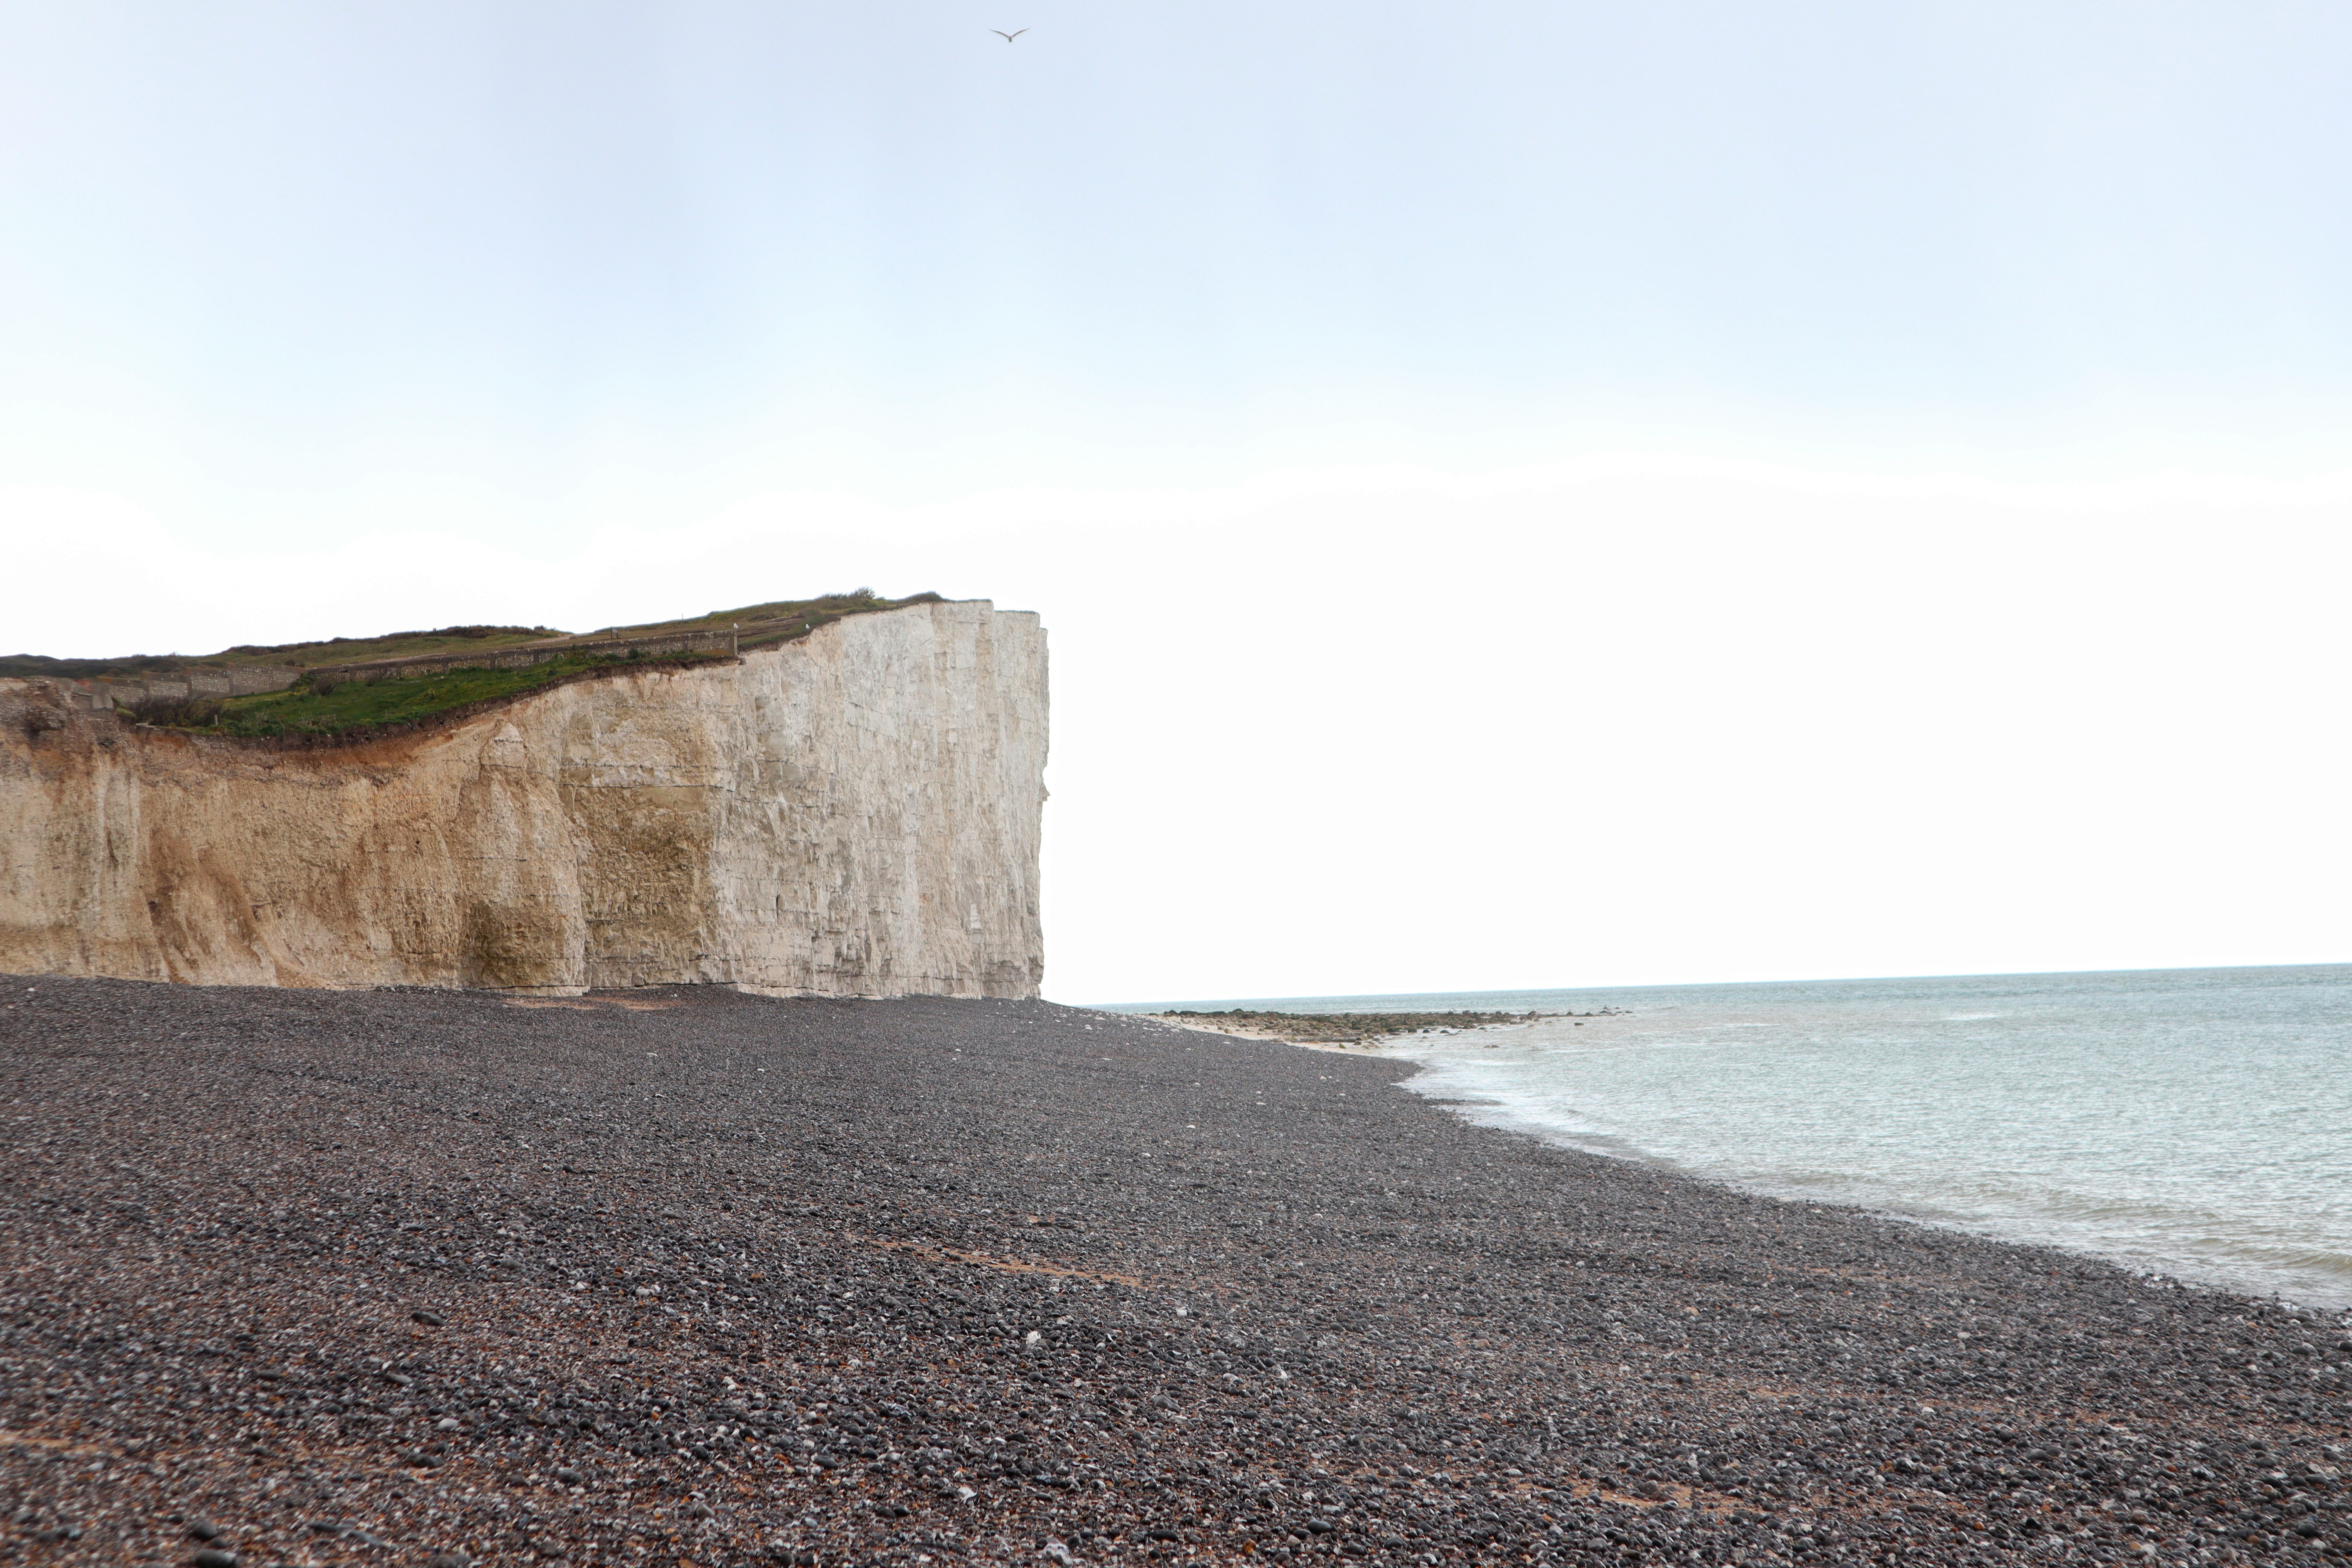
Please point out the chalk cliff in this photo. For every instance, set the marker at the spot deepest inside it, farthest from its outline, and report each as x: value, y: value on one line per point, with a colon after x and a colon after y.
x: 854, y: 813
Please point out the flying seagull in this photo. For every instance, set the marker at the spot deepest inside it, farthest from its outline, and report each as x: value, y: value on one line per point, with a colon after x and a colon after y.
x: 1008, y: 38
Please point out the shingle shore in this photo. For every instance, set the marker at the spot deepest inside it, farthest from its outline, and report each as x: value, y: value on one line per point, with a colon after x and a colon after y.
x: 368, y: 1278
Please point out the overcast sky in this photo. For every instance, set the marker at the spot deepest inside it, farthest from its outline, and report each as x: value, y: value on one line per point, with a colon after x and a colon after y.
x: 1522, y: 494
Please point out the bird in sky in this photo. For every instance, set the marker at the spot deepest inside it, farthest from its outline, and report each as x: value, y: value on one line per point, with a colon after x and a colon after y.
x: 1008, y: 38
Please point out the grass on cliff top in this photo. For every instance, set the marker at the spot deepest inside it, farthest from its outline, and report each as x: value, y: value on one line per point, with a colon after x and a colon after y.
x: 303, y: 655
x: 800, y: 616
x: 320, y: 705
x: 810, y: 613
x: 304, y: 709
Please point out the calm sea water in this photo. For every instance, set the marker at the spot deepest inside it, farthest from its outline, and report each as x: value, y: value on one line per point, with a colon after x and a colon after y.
x: 2196, y: 1123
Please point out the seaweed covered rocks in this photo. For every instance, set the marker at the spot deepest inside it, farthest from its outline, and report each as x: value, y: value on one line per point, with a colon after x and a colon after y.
x: 1348, y: 1028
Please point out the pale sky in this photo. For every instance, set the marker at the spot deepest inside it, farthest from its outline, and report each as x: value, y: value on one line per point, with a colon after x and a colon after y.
x: 1523, y: 495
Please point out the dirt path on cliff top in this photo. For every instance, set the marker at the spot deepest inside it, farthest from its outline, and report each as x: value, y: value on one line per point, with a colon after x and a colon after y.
x: 695, y: 1278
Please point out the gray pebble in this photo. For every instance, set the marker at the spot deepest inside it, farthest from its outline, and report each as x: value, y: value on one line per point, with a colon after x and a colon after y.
x: 1462, y: 1341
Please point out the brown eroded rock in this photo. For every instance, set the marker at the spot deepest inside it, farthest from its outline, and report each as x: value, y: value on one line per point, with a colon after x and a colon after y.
x: 856, y: 813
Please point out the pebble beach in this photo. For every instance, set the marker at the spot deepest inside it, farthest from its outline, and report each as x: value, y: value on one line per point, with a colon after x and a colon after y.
x: 687, y: 1276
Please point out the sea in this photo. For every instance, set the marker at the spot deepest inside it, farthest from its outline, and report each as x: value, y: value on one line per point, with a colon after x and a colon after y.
x: 2191, y: 1124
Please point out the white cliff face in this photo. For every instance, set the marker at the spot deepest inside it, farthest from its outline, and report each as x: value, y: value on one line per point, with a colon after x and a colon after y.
x: 855, y: 813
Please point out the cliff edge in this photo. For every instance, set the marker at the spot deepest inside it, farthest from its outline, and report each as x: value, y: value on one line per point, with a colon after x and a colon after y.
x: 854, y: 814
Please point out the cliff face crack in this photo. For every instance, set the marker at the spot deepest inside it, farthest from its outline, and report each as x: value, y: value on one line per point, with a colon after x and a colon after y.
x: 756, y: 822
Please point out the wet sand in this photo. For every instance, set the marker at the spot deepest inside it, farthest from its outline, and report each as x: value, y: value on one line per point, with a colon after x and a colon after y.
x: 691, y: 1277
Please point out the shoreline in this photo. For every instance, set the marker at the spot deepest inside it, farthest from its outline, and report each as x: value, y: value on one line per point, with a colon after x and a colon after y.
x: 742, y: 1279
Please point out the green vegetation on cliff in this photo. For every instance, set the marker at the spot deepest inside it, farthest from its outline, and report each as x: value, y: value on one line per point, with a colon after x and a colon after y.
x: 777, y: 621
x: 331, y: 700
x: 325, y: 707
x: 301, y: 655
x: 445, y: 640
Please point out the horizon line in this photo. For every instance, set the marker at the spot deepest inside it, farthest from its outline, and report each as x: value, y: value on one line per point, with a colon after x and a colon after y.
x: 1696, y: 985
